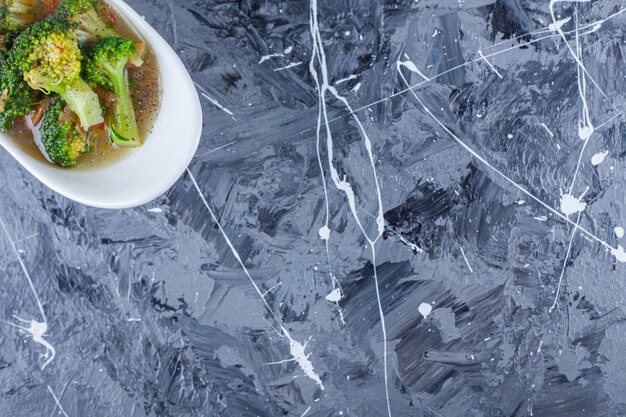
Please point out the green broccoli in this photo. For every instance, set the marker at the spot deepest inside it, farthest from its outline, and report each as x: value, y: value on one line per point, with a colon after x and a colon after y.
x: 16, y: 14
x: 48, y: 56
x: 16, y: 97
x: 84, y: 13
x: 61, y: 137
x: 105, y: 66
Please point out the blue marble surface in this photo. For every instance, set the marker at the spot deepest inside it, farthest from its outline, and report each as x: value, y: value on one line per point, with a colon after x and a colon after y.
x: 398, y: 208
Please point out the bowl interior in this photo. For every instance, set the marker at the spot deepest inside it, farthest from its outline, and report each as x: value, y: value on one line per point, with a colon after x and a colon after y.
x: 148, y: 171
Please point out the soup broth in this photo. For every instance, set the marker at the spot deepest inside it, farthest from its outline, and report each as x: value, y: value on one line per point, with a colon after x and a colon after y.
x: 145, y: 89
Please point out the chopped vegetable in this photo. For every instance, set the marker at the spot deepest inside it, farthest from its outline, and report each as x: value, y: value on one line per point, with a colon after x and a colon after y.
x: 105, y: 66
x: 16, y: 14
x: 16, y: 97
x: 47, y: 53
x: 61, y: 137
x: 85, y: 14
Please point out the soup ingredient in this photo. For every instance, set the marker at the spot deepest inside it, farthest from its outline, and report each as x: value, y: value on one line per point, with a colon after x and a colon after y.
x: 105, y: 66
x: 48, y: 55
x: 62, y: 139
x: 16, y: 14
x: 16, y: 97
x: 85, y: 14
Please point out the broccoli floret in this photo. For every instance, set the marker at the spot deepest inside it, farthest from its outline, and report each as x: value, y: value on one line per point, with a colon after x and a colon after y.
x: 48, y: 56
x: 16, y: 14
x: 16, y: 97
x: 85, y: 14
x: 61, y: 139
x: 105, y: 66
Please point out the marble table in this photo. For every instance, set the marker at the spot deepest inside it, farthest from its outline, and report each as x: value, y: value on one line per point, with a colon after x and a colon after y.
x: 398, y: 208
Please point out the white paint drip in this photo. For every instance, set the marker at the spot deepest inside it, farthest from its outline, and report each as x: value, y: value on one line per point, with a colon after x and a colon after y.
x: 518, y: 46
x: 411, y: 67
x: 619, y: 232
x: 569, y: 250
x: 334, y: 296
x: 466, y: 261
x: 205, y: 94
x: 425, y: 309
x: 343, y: 80
x: 306, y: 412
x: 290, y: 65
x: 323, y: 87
x: 270, y: 56
x: 493, y: 68
x: 467, y: 63
x: 155, y: 210
x: 587, y: 127
x: 57, y: 402
x: 36, y: 329
x: 541, y: 218
x: 547, y: 130
x: 598, y: 158
x: 297, y: 349
x: 412, y: 245
x: 219, y: 148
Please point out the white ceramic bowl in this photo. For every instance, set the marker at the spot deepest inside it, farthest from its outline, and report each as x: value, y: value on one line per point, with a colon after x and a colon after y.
x: 150, y: 170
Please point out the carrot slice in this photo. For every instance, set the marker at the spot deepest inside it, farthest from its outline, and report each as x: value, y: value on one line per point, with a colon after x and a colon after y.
x: 50, y: 5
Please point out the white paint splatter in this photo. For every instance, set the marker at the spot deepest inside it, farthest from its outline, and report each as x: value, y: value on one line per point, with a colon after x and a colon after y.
x: 556, y: 26
x: 466, y: 261
x: 619, y: 253
x: 410, y: 88
x: 324, y: 232
x: 567, y: 254
x: 571, y: 204
x: 343, y: 80
x: 425, y: 309
x: 411, y: 67
x: 297, y: 349
x: 541, y: 218
x: 493, y: 68
x: 302, y: 358
x: 268, y: 57
x: 619, y: 232
x: 598, y: 158
x: 290, y: 65
x: 547, y: 130
x: 155, y: 210
x: 57, y: 402
x: 37, y: 329
x: 213, y: 101
x: 334, y: 296
x: 318, y: 56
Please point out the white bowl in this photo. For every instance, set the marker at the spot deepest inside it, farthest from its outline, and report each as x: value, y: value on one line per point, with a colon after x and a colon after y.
x: 150, y: 170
